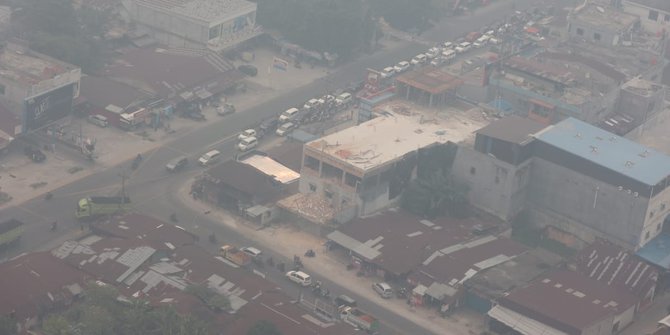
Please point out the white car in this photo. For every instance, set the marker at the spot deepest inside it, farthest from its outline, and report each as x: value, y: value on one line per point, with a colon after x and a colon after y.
x: 288, y: 114
x: 246, y: 133
x: 251, y: 251
x: 433, y: 52
x: 388, y: 72
x: 299, y: 278
x: 463, y: 47
x: 313, y: 103
x: 247, y: 144
x: 285, y: 128
x: 383, y: 289
x: 401, y: 67
x: 419, y: 59
x: 448, y: 45
x: 437, y: 61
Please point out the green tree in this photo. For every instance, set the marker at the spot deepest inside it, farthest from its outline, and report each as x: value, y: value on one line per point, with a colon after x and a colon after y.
x: 406, y: 14
x: 56, y: 325
x: 7, y: 325
x: 436, y: 195
x: 264, y: 327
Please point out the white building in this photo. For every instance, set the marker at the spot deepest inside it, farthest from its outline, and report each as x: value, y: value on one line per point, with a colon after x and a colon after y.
x: 215, y: 24
x: 654, y: 14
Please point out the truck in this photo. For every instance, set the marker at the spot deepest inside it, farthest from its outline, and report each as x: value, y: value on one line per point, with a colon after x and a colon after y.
x: 130, y: 121
x: 10, y: 232
x: 359, y: 319
x: 91, y: 207
x: 235, y: 255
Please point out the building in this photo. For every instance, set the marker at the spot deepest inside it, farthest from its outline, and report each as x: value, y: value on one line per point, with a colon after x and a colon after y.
x: 613, y: 266
x: 32, y: 284
x: 549, y: 88
x: 110, y: 98
x: 486, y: 287
x: 144, y: 227
x: 639, y: 101
x: 10, y: 126
x: 440, y: 279
x: 565, y: 303
x: 428, y: 85
x: 395, y: 242
x: 589, y: 182
x: 600, y: 25
x: 497, y: 168
x: 36, y: 88
x: 654, y: 14
x: 213, y: 24
x: 355, y: 167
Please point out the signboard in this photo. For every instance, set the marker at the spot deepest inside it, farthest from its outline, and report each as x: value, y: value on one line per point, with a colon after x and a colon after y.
x: 43, y: 109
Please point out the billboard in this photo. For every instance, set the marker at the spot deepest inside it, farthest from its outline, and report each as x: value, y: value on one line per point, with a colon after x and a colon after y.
x: 43, y: 109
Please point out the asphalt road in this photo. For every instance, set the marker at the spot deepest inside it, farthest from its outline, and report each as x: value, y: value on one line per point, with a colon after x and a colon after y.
x: 153, y: 190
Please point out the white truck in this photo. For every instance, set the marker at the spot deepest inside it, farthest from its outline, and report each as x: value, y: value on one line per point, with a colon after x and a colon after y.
x: 359, y: 319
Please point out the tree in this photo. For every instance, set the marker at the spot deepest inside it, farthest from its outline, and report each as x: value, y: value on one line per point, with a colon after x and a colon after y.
x: 264, y: 327
x: 56, y: 325
x: 406, y: 14
x: 7, y: 325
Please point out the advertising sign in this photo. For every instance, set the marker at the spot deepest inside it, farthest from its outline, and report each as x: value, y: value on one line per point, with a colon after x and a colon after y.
x: 51, y: 106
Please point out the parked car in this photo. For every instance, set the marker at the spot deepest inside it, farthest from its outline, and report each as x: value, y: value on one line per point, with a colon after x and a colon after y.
x: 419, y: 59
x: 383, y: 289
x: 388, y: 72
x: 433, y: 52
x: 401, y: 67
x: 246, y: 133
x: 448, y: 45
x: 312, y: 103
x: 344, y: 99
x: 437, y: 61
x: 285, y: 128
x: 247, y: 144
x: 449, y: 54
x: 289, y: 114
x: 299, y: 278
x: 463, y: 47
x: 247, y: 69
x: 251, y: 251
x: 268, y: 126
x: 36, y: 155
x: 177, y: 164
x: 225, y: 109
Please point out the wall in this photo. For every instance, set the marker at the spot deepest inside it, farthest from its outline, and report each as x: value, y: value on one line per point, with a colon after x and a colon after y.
x: 496, y: 187
x: 638, y: 106
x: 607, y: 36
x: 602, y: 327
x: 658, y: 209
x: 643, y: 12
x: 599, y: 206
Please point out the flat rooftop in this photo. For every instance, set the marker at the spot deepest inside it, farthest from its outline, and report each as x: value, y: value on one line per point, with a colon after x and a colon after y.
x: 401, y: 128
x: 26, y: 67
x: 430, y: 79
x: 608, y: 150
x: 605, y: 17
x: 272, y: 168
x: 201, y: 10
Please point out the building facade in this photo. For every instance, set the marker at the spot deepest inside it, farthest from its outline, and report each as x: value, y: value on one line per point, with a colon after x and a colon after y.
x: 654, y: 14
x: 213, y: 24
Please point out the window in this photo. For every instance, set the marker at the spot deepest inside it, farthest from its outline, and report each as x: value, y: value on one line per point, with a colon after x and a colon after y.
x: 653, y: 15
x: 596, y: 36
x: 580, y: 31
x: 473, y: 170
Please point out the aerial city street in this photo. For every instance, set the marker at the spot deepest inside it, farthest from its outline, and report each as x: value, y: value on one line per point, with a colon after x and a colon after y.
x: 391, y: 167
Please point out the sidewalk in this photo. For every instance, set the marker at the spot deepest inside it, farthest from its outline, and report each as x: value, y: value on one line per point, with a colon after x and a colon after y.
x: 289, y: 241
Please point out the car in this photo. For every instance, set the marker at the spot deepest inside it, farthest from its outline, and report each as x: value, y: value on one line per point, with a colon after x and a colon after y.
x: 463, y: 47
x: 383, y: 289
x: 299, y: 278
x: 285, y: 128
x: 437, y: 61
x: 247, y: 69
x: 267, y: 126
x: 36, y: 155
x: 448, y: 45
x: 328, y: 98
x: 419, y: 59
x: 344, y: 99
x: 313, y: 103
x: 251, y: 251
x: 209, y: 158
x: 247, y: 144
x: 177, y: 164
x: 289, y: 114
x: 388, y: 72
x: 433, y: 52
x: 246, y: 133
x: 401, y: 67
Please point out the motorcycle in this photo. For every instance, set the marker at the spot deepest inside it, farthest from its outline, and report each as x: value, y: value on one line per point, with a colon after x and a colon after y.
x: 310, y: 253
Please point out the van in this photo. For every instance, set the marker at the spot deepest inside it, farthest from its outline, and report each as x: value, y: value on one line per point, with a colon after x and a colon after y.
x: 343, y: 99
x: 209, y: 158
x: 288, y: 115
x: 383, y: 289
x: 299, y: 278
x: 449, y: 54
x: 419, y: 59
x: 98, y: 120
x: 247, y: 144
x: 177, y: 164
x: 463, y: 47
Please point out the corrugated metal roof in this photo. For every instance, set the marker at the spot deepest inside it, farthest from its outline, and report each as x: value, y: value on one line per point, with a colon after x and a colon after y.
x: 608, y: 150
x: 521, y: 323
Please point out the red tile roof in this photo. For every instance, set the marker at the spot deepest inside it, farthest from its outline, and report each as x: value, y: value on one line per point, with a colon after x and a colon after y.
x: 568, y: 301
x: 616, y: 267
x: 31, y: 281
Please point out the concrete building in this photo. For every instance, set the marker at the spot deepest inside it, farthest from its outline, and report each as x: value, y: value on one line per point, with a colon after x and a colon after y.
x: 564, y: 303
x: 213, y: 24
x: 588, y: 182
x: 600, y: 25
x: 429, y: 86
x: 654, y: 14
x: 497, y: 168
x: 639, y: 100
x: 36, y: 88
x: 366, y: 166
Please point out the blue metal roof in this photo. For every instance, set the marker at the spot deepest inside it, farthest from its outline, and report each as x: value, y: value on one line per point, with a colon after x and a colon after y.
x: 657, y: 251
x: 608, y: 150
